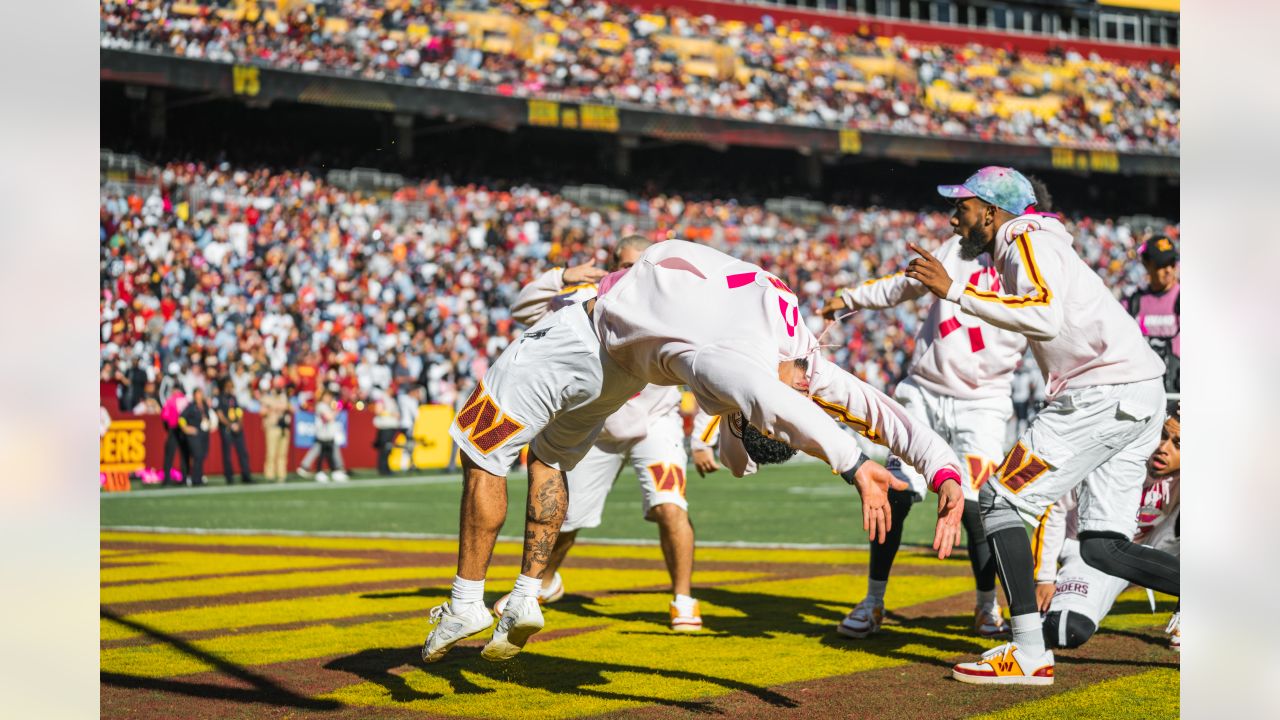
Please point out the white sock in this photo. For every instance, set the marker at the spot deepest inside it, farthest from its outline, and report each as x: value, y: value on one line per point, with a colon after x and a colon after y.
x: 526, y: 587
x: 987, y: 599
x: 684, y: 604
x: 466, y: 591
x: 875, y: 590
x: 548, y: 584
x: 1028, y: 634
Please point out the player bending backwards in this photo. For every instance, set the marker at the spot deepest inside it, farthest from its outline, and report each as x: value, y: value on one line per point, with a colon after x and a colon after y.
x: 683, y: 314
x: 1077, y: 596
x: 1101, y: 422
x: 648, y: 429
x: 960, y: 385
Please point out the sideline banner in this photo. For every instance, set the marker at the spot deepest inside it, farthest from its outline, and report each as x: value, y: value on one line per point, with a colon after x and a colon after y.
x: 122, y: 450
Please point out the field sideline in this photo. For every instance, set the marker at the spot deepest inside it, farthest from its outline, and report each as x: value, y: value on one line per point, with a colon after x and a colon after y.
x: 294, y: 624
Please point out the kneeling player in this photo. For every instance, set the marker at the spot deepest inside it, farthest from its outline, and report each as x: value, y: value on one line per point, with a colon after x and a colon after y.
x: 1076, y: 596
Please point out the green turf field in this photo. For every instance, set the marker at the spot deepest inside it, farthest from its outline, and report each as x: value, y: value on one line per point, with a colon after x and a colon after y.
x: 801, y: 502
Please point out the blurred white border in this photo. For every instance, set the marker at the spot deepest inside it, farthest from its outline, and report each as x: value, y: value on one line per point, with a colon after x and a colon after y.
x: 1230, y: 254
x: 48, y: 316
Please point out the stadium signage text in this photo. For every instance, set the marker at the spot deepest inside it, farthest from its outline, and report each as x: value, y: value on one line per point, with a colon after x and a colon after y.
x: 122, y: 450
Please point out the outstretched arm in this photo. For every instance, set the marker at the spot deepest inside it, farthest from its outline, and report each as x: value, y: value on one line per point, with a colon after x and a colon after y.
x: 882, y: 420
x: 725, y: 379
x: 1032, y: 309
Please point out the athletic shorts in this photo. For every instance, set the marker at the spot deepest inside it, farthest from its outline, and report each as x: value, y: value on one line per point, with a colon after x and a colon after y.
x: 975, y: 430
x: 1098, y: 438
x: 551, y: 389
x: 658, y: 459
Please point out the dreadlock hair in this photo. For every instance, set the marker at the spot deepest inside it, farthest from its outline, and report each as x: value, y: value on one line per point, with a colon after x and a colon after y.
x: 1044, y: 201
x: 762, y: 450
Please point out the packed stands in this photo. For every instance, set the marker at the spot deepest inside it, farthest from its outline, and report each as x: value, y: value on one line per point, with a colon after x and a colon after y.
x: 672, y: 61
x: 213, y: 270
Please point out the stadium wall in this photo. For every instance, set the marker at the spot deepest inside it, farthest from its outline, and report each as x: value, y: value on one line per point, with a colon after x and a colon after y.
x: 358, y: 454
x: 920, y: 31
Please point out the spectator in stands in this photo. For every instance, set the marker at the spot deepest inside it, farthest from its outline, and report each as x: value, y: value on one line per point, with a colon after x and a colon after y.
x: 277, y: 420
x: 797, y: 75
x: 149, y: 404
x: 1158, y: 306
x: 231, y: 429
x: 414, y: 290
x: 196, y: 422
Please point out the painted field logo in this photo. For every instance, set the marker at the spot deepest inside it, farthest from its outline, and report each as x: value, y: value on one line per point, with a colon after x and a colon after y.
x: 668, y: 477
x: 486, y: 425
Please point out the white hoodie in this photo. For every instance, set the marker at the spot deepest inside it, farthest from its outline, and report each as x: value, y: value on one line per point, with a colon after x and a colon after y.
x: 957, y: 354
x: 1080, y: 334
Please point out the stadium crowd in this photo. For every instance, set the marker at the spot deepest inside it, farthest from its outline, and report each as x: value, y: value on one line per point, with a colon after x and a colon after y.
x: 280, y: 278
x: 606, y: 52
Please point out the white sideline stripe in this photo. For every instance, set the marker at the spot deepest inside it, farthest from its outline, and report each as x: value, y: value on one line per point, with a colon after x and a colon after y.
x: 442, y: 536
x: 262, y: 487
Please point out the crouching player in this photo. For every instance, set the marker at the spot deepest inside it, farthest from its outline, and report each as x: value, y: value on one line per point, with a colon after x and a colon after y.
x: 684, y: 314
x: 1076, y: 596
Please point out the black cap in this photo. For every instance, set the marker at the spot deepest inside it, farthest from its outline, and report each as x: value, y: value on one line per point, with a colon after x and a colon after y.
x: 1159, y: 251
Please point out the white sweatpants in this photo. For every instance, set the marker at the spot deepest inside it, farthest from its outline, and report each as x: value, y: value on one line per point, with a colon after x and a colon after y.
x: 1096, y: 437
x: 975, y: 430
x: 551, y: 389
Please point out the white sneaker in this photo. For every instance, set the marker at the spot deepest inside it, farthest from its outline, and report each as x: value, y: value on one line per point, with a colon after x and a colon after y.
x: 989, y: 622
x: 1007, y: 665
x: 303, y: 472
x: 690, y: 621
x: 521, y: 618
x: 453, y: 624
x: 322, y: 477
x: 865, y: 619
x: 340, y: 476
x: 1175, y: 631
x: 546, y: 595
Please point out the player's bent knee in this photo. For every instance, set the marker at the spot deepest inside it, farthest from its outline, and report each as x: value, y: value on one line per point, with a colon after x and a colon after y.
x: 1066, y: 629
x: 1100, y: 549
x: 997, y: 512
x: 668, y: 513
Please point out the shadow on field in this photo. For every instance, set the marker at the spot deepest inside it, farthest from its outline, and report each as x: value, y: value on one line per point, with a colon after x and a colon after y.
x: 553, y: 674
x: 766, y: 616
x: 263, y: 690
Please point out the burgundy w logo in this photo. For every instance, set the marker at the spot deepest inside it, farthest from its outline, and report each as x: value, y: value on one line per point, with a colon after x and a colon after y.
x: 486, y: 425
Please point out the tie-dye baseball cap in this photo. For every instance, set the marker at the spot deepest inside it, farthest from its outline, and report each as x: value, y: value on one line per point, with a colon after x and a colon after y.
x: 1003, y: 187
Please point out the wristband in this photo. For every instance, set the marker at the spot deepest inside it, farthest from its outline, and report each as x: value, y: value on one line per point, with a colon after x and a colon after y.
x: 849, y: 474
x: 955, y: 291
x: 942, y: 476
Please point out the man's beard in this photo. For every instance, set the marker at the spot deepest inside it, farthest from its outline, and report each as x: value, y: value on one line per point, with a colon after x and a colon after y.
x: 971, y: 246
